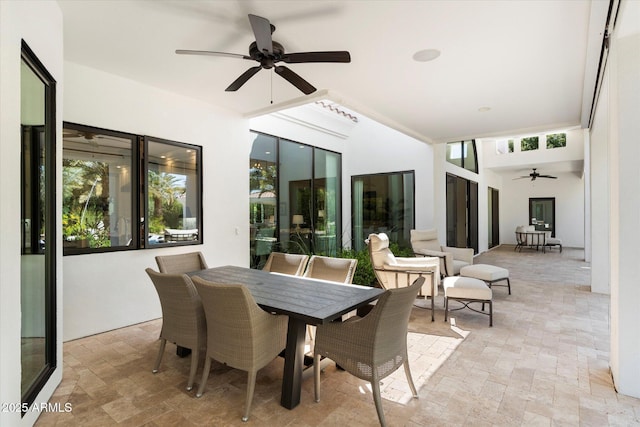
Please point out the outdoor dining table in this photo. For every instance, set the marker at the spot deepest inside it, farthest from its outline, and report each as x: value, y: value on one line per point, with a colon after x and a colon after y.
x: 305, y: 301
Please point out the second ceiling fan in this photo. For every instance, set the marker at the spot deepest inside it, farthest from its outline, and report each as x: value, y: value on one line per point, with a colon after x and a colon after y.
x: 533, y: 175
x: 268, y: 53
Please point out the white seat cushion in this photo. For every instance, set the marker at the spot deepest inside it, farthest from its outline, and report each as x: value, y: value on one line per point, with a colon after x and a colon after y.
x: 489, y: 273
x: 553, y: 241
x: 466, y: 287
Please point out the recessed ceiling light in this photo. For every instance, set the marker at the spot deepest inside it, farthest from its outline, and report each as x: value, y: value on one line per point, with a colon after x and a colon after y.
x: 267, y: 152
x: 426, y: 55
x: 484, y: 109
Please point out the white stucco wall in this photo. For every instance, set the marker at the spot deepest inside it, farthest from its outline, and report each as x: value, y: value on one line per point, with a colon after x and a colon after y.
x: 111, y: 290
x: 568, y: 191
x: 624, y: 201
x: 367, y: 147
x: 39, y: 23
x: 599, y: 187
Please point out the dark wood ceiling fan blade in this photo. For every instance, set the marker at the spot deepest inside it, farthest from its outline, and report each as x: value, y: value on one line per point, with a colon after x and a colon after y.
x: 295, y: 79
x: 237, y: 84
x: 262, y: 30
x: 300, y: 57
x: 547, y: 176
x: 211, y: 53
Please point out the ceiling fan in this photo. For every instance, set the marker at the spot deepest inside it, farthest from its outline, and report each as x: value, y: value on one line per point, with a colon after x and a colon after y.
x: 268, y: 52
x: 533, y: 175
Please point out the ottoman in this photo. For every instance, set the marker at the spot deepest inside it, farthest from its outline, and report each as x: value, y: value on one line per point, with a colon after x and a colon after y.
x: 467, y: 290
x: 489, y: 273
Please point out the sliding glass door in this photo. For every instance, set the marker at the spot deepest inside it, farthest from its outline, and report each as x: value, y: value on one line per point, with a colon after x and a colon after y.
x: 383, y: 203
x: 295, y: 199
x: 462, y: 212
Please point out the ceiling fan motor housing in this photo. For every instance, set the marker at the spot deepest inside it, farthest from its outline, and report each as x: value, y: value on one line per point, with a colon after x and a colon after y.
x: 265, y: 59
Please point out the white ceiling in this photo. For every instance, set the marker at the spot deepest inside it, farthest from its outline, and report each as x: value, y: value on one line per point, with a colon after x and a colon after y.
x: 525, y: 60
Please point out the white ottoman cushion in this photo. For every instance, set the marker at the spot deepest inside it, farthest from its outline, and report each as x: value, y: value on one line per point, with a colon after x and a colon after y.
x: 466, y: 288
x: 488, y: 273
x: 553, y: 241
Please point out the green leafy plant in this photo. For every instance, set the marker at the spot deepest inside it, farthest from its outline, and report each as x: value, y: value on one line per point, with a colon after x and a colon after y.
x: 364, y: 270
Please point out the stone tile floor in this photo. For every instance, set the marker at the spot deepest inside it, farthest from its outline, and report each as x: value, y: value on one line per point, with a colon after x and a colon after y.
x: 543, y: 363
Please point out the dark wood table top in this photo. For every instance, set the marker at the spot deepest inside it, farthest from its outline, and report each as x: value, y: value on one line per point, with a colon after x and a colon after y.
x: 312, y: 301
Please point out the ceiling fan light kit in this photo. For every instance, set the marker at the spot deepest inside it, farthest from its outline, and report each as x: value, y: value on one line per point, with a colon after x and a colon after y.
x: 268, y: 53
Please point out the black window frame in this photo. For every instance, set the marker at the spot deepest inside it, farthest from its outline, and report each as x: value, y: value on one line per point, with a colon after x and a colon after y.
x: 139, y: 197
x: 145, y: 197
x: 29, y: 396
x: 278, y: 244
x: 537, y: 225
x: 471, y: 168
x: 360, y: 245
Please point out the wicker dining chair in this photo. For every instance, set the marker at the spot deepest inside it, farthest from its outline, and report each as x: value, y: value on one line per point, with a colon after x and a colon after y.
x: 183, y: 319
x: 339, y: 270
x: 370, y: 347
x: 293, y: 264
x: 181, y: 263
x: 241, y: 334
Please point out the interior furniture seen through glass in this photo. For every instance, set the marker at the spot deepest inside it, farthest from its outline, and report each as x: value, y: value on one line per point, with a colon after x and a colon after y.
x: 38, y: 254
x: 383, y: 203
x: 542, y: 214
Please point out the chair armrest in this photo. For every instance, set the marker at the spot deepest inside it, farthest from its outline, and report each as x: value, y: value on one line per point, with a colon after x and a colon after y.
x: 462, y: 254
x: 430, y: 253
x: 446, y: 259
x: 416, y: 262
x: 430, y: 266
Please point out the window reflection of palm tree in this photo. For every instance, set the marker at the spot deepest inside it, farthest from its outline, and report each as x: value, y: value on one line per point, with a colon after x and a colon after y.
x: 163, y: 189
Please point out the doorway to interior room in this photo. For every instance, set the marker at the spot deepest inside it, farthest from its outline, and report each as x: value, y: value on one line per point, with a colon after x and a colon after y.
x: 462, y: 212
x: 493, y: 217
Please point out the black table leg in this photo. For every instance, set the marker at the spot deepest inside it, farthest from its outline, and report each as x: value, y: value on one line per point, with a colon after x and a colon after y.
x: 183, y: 351
x: 293, y: 364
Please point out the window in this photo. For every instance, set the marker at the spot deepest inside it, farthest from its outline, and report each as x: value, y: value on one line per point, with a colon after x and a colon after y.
x: 104, y: 197
x: 556, y: 140
x: 529, y: 143
x: 294, y: 199
x: 37, y: 187
x: 463, y: 154
x: 173, y: 197
x: 542, y: 214
x: 504, y: 146
x: 383, y: 203
x: 99, y: 182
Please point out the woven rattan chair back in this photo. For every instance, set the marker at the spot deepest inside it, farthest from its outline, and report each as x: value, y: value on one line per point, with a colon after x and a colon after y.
x: 334, y: 269
x: 242, y: 335
x: 293, y: 264
x: 371, y: 347
x: 183, y: 319
x: 181, y: 263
